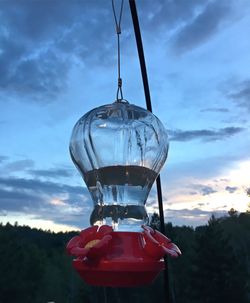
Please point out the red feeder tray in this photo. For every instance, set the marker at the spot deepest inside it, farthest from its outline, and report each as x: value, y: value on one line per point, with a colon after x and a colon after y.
x: 120, y: 259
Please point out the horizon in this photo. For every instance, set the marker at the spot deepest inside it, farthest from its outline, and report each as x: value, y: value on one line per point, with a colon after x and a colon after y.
x: 55, y: 228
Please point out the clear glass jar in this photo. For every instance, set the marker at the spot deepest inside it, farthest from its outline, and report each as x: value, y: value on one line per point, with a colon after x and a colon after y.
x: 119, y: 150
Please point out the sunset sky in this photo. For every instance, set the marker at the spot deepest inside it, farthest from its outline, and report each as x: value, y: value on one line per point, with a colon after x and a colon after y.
x: 58, y: 61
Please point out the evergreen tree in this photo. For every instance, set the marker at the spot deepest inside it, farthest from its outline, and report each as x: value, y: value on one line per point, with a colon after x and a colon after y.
x: 217, y: 275
x: 180, y: 268
x: 155, y: 221
x: 214, y: 267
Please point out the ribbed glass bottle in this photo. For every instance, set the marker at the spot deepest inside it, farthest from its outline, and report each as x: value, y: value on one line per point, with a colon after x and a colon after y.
x: 119, y: 150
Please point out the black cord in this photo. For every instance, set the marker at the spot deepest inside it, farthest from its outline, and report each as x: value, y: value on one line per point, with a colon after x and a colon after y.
x: 105, y: 295
x: 118, y: 32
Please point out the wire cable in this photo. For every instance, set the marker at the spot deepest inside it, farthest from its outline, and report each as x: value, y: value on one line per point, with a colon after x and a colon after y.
x: 118, y: 32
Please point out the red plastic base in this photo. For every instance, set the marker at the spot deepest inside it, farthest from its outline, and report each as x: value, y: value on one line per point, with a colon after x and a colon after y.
x: 125, y: 265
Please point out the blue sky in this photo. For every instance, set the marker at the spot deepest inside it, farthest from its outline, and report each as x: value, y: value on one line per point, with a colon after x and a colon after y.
x: 58, y: 60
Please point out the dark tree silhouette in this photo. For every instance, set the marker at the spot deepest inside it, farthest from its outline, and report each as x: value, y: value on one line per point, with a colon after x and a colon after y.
x: 214, y: 266
x: 217, y: 274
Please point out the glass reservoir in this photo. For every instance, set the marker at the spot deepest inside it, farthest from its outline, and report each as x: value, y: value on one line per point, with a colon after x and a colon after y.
x: 119, y: 150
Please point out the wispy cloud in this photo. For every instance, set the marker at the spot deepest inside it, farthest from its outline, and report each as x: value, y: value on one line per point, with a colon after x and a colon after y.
x: 216, y: 110
x: 204, y: 134
x: 27, y: 166
x: 40, y: 57
x: 231, y: 189
x: 168, y: 14
x: 37, y: 198
x: 203, y: 26
x: 52, y: 173
x: 191, y: 217
x: 45, y: 187
x: 201, y: 189
x: 19, y: 165
x: 241, y: 96
x: 3, y: 159
x: 207, y: 190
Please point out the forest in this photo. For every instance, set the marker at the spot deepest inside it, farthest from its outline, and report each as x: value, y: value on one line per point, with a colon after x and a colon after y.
x: 214, y: 266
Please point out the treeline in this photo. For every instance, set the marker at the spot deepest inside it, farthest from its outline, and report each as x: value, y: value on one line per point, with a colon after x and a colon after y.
x: 214, y: 267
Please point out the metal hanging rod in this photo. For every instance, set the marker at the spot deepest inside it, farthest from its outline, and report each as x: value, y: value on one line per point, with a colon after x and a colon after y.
x: 132, y: 4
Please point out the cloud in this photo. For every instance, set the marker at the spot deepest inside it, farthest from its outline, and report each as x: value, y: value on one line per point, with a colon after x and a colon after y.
x: 44, y: 187
x: 185, y: 211
x: 23, y: 72
x: 52, y: 173
x: 37, y: 198
x: 19, y: 165
x: 204, y: 190
x: 40, y: 75
x: 167, y: 14
x: 191, y: 217
x: 3, y: 158
x: 201, y: 204
x: 40, y: 39
x: 204, y: 134
x: 241, y: 97
x: 231, y: 189
x: 219, y: 110
x: 27, y: 166
x: 19, y: 200
x: 44, y: 16
x: 204, y: 25
x: 207, y: 190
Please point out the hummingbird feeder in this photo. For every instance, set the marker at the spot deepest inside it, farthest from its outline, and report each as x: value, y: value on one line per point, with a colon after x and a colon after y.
x: 119, y: 149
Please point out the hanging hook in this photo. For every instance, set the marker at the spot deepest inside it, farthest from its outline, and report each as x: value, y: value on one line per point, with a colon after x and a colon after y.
x: 119, y: 90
